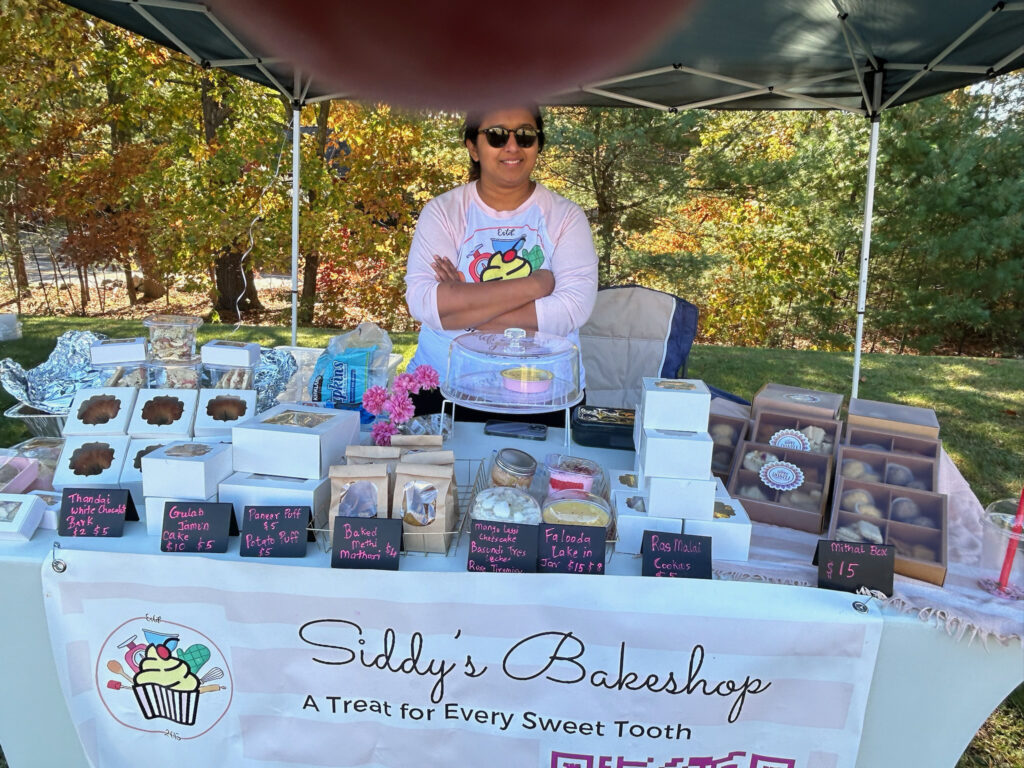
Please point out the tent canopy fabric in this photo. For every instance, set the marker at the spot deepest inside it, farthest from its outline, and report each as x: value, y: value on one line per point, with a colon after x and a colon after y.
x: 726, y: 54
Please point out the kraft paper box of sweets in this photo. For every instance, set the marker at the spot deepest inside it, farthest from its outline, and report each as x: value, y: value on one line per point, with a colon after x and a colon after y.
x: 680, y: 497
x: 19, y: 515
x: 894, y: 417
x: 294, y: 440
x: 118, y: 351
x: 805, y: 433
x: 886, y: 440
x: 633, y: 520
x: 131, y: 471
x: 905, y: 471
x: 91, y: 462
x: 726, y: 433
x: 186, y: 470
x: 914, y: 522
x: 17, y: 474
x: 782, y: 486
x: 100, y: 411
x: 783, y: 398
x: 167, y: 414
x: 729, y: 529
x: 680, y: 404
x: 235, y: 354
x: 246, y: 489
x: 675, y: 453
x: 51, y: 511
x: 220, y: 409
x: 155, y: 511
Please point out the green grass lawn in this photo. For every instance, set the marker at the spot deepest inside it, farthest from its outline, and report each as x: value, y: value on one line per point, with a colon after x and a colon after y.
x: 979, y: 403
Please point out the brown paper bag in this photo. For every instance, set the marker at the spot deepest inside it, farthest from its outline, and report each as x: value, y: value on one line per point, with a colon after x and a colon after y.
x: 371, y: 454
x: 358, y: 490
x: 416, y: 443
x: 424, y: 498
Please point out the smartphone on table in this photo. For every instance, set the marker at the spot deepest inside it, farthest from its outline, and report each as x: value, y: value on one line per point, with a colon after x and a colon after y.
x: 521, y: 429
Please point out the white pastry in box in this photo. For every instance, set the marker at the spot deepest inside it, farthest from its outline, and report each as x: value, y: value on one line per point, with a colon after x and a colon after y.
x: 167, y: 414
x: 220, y: 409
x: 91, y: 462
x: 674, y: 453
x: 680, y: 497
x: 118, y: 351
x: 20, y: 515
x: 131, y: 472
x: 729, y: 530
x: 100, y: 411
x: 294, y: 440
x: 681, y: 404
x: 245, y: 489
x: 236, y: 354
x: 186, y: 470
x: 633, y: 520
x: 51, y: 511
x: 154, y: 511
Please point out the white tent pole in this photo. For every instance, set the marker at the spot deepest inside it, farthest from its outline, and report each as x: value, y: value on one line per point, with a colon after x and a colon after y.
x: 865, y: 251
x: 296, y: 133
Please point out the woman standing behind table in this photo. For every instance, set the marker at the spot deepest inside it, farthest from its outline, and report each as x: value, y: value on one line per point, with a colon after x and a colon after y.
x: 499, y: 252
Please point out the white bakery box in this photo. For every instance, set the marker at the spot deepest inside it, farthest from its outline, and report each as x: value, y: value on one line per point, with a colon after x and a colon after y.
x: 118, y: 351
x: 20, y: 514
x: 155, y: 511
x: 186, y: 470
x: 52, y: 501
x: 674, y: 453
x: 131, y: 471
x: 679, y: 404
x: 680, y: 497
x: 221, y: 409
x: 167, y: 414
x: 91, y: 461
x: 100, y: 411
x: 247, y: 489
x: 294, y: 440
x: 234, y: 354
x: 729, y: 530
x: 633, y: 518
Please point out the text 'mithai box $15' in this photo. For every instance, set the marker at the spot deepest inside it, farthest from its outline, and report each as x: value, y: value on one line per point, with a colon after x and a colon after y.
x: 679, y: 404
x: 294, y: 440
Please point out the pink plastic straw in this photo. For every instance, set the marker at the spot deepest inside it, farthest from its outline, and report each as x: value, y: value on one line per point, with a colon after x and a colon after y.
x: 1011, y: 548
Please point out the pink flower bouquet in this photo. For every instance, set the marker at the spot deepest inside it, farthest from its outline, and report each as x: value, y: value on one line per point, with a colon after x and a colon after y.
x: 395, y: 407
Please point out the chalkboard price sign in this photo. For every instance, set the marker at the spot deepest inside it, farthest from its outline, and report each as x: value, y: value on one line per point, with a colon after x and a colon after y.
x: 196, y: 526
x: 94, y: 512
x: 366, y: 542
x: 502, y: 547
x: 676, y: 555
x: 571, y: 549
x: 274, y: 532
x: 847, y: 566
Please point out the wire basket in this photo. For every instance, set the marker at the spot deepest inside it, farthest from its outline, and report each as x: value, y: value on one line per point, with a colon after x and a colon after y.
x: 39, y: 423
x: 470, y: 478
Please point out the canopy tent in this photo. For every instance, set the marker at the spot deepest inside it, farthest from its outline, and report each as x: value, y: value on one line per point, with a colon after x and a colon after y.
x: 860, y: 56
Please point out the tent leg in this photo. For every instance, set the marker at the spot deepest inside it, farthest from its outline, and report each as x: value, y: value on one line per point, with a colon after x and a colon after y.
x: 296, y: 133
x: 865, y: 253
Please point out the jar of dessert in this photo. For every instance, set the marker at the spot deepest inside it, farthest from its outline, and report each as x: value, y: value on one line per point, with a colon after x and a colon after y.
x: 513, y: 468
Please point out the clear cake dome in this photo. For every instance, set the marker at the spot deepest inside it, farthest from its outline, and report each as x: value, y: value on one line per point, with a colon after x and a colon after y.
x: 513, y: 372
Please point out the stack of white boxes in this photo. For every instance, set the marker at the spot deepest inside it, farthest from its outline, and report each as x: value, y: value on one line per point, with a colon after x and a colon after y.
x: 284, y: 455
x: 96, y: 442
x: 182, y: 471
x: 673, y: 464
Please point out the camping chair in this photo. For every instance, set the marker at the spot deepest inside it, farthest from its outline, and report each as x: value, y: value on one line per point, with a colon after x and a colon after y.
x: 634, y: 332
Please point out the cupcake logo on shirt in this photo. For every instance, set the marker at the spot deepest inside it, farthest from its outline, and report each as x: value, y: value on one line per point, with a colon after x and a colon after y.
x: 508, y: 256
x: 163, y: 677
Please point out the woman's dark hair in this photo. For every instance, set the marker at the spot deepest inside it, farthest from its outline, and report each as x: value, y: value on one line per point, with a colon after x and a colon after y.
x: 471, y: 130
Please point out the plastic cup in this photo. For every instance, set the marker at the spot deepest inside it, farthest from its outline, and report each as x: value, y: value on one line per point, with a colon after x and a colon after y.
x: 998, y: 541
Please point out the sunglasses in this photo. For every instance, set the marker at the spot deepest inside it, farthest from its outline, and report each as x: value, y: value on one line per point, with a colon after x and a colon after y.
x: 497, y: 136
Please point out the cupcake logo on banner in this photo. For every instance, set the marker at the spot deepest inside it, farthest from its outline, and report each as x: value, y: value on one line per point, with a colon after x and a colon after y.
x: 163, y: 677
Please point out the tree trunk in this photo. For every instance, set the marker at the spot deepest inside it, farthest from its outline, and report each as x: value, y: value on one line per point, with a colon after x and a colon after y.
x: 15, y: 254
x: 129, y: 284
x: 234, y: 293
x: 311, y: 264
x: 83, y: 283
